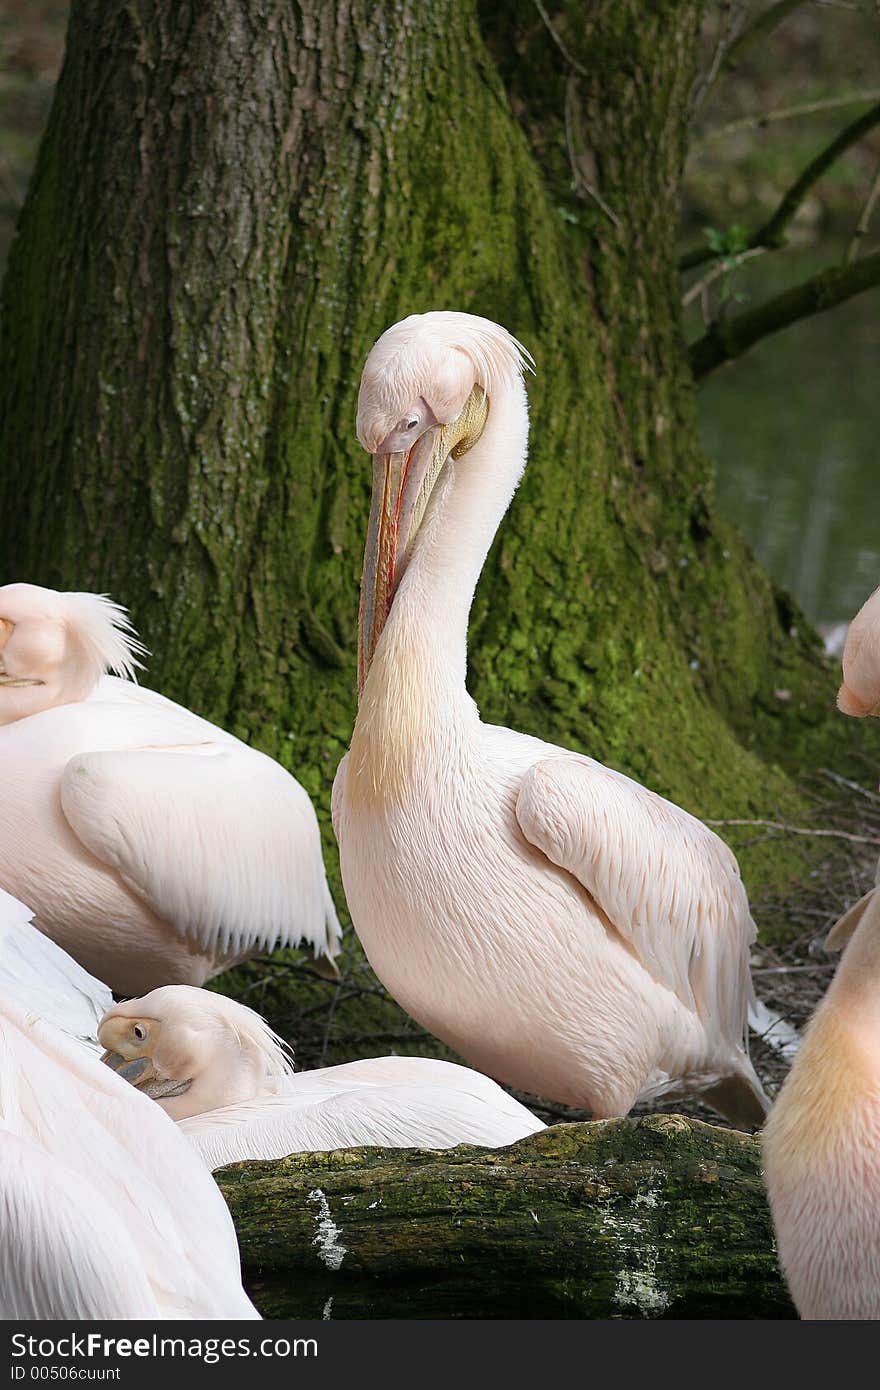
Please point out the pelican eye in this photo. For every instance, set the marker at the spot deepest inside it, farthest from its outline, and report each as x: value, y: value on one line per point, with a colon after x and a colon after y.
x: 139, y: 1031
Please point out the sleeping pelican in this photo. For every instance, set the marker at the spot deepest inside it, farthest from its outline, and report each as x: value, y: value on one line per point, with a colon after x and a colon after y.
x: 859, y: 693
x: 105, y: 1212
x: 216, y: 1067
x: 562, y: 928
x: 154, y: 847
x: 822, y: 1140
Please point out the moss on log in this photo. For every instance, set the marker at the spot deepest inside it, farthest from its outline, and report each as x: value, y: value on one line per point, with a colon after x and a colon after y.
x: 659, y: 1217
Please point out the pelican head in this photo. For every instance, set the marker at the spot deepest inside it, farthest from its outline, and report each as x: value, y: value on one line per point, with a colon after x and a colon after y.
x: 54, y: 647
x: 860, y: 692
x: 192, y: 1050
x: 425, y: 395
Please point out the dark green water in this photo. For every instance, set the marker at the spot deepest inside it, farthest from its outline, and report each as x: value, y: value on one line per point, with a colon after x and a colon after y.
x: 795, y: 430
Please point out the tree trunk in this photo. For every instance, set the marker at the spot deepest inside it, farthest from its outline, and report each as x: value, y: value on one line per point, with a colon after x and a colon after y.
x: 659, y: 1217
x: 231, y: 202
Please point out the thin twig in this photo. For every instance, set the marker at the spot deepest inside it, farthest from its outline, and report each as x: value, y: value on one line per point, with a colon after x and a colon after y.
x: 580, y: 182
x: 733, y: 12
x: 786, y: 113
x: 850, y: 786
x: 572, y: 62
x: 699, y: 286
x: 802, y: 830
x: 864, y: 221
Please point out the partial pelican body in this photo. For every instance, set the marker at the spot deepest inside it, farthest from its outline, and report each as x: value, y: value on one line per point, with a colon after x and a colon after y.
x: 859, y: 693
x: 105, y: 1212
x: 822, y: 1140
x: 564, y: 929
x: 217, y: 1068
x: 153, y: 846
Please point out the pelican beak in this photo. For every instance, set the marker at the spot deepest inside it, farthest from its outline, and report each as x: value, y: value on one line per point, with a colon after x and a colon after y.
x: 134, y: 1062
x: 142, y: 1074
x: 402, y: 487
x: 14, y: 682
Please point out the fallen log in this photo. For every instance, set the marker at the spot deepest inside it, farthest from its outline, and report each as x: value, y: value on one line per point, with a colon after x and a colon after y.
x: 661, y: 1216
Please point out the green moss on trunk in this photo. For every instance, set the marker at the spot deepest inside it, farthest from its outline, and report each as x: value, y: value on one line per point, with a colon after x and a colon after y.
x: 654, y: 1218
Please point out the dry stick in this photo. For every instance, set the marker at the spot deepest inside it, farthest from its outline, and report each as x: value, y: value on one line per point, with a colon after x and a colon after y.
x: 732, y: 337
x: 786, y: 113
x: 763, y: 26
x: 801, y: 830
x: 850, y: 786
x: 729, y: 34
x: 700, y: 286
x: 580, y: 181
x: 572, y: 62
x: 864, y: 221
x: 772, y: 234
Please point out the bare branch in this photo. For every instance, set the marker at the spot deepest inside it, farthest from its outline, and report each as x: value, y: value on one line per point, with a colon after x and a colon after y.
x: 552, y: 31
x: 801, y: 830
x: 732, y: 337
x: 581, y: 183
x: 864, y: 221
x: 733, y: 12
x: 787, y: 113
x: 772, y: 235
x: 763, y: 26
x: 697, y: 289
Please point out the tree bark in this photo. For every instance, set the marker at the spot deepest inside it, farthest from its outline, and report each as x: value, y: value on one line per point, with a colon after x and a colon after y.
x: 659, y: 1217
x: 231, y: 201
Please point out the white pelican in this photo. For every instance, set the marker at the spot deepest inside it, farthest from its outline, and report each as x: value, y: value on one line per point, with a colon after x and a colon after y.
x: 153, y: 846
x: 105, y: 1211
x: 564, y: 929
x: 822, y: 1140
x: 860, y: 692
x: 217, y: 1068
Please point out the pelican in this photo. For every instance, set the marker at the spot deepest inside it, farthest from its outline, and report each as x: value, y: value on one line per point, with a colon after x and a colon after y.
x: 154, y: 847
x: 562, y: 928
x: 218, y: 1069
x: 822, y: 1140
x: 859, y: 693
x: 106, y: 1211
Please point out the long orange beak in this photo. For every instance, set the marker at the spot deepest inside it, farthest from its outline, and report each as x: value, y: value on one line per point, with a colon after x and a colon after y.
x: 402, y: 487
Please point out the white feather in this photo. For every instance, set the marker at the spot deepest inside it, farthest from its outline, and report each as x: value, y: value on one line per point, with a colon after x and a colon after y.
x: 98, y: 1136
x: 45, y: 980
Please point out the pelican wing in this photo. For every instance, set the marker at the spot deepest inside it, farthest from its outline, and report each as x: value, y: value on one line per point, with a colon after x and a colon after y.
x: 97, y: 1131
x: 64, y: 1252
x: 668, y: 886
x: 44, y: 980
x: 335, y: 1116
x: 218, y: 840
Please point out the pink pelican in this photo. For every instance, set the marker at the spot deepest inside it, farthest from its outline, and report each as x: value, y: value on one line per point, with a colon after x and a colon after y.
x: 154, y: 847
x: 860, y: 691
x: 822, y: 1140
x: 218, y: 1069
x: 106, y: 1211
x: 561, y: 927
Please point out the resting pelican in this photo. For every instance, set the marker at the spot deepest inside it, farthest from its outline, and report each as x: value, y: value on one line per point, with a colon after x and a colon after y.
x: 565, y: 930
x: 106, y: 1211
x: 216, y: 1067
x: 154, y: 847
x: 860, y: 692
x: 822, y: 1140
